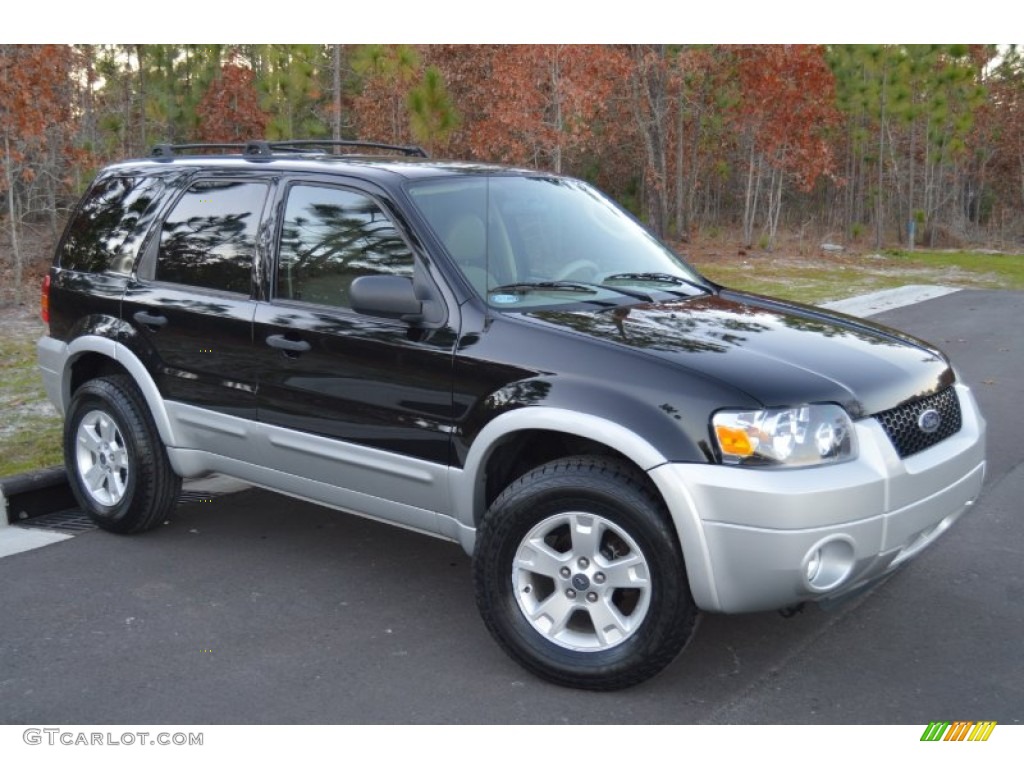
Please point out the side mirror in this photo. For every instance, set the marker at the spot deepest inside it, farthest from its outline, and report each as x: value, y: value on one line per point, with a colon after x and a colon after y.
x: 386, y: 296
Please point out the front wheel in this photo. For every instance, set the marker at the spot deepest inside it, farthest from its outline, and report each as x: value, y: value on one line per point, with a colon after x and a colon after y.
x: 579, y: 577
x: 117, y: 465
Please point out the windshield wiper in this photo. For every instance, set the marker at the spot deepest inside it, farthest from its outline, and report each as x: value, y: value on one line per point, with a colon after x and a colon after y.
x: 656, y: 277
x: 570, y: 285
x: 542, y: 285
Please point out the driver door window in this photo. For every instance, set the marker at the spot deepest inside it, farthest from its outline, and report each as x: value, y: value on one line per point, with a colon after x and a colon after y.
x: 330, y: 237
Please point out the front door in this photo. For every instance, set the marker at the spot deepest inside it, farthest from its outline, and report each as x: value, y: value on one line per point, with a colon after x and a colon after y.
x: 361, y: 406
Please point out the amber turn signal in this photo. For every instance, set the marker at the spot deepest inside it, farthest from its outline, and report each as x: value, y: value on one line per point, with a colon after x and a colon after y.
x: 733, y: 441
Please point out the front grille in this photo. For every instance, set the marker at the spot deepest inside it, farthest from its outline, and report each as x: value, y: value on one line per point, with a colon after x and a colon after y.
x: 901, y: 423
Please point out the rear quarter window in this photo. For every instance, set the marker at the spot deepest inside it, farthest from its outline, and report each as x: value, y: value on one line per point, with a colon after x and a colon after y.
x: 110, y: 224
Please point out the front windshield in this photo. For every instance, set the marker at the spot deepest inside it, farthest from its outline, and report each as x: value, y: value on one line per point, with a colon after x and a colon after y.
x: 529, y: 241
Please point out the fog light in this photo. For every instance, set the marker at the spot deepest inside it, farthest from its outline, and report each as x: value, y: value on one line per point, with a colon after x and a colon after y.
x: 813, y: 565
x: 828, y: 564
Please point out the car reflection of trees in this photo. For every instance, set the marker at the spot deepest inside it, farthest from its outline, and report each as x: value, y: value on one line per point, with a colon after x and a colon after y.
x: 207, y: 307
x: 837, y: 330
x: 227, y: 361
x: 97, y: 285
x: 356, y: 351
x: 529, y: 392
x: 113, y: 220
x: 662, y: 331
x: 483, y: 386
x: 212, y: 251
x: 330, y: 245
x: 345, y: 323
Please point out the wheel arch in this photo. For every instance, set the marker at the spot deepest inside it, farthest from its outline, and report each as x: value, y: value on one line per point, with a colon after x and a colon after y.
x: 92, y: 356
x: 492, y: 456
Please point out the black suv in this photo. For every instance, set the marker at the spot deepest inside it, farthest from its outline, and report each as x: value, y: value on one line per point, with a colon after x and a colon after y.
x: 503, y: 358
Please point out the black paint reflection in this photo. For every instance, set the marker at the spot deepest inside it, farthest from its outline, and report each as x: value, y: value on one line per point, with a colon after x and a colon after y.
x: 669, y: 328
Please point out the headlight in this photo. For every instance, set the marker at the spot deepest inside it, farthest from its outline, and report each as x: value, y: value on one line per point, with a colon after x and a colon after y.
x: 788, y: 437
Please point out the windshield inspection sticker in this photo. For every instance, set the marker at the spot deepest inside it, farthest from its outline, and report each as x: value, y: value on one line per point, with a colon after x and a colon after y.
x: 504, y: 298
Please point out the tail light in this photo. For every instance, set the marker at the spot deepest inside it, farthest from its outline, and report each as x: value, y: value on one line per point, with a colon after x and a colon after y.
x: 44, y: 301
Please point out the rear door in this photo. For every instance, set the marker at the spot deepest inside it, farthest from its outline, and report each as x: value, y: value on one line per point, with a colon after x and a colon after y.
x: 191, y: 302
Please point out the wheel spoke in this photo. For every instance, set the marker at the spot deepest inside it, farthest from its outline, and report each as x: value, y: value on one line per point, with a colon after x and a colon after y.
x: 551, y: 616
x: 610, y: 625
x: 88, y: 438
x: 108, y: 430
x: 94, y: 477
x: 116, y: 486
x: 626, y: 572
x: 119, y: 457
x: 586, y: 535
x: 535, y: 556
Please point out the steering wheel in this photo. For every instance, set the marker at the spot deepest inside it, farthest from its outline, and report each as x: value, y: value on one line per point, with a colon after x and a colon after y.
x: 573, y: 268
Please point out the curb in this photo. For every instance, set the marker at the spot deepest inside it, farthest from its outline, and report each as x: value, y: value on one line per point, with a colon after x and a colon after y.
x: 35, y: 493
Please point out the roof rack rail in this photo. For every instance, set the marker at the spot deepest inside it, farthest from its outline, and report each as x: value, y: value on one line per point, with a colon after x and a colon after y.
x: 167, y: 151
x: 300, y: 144
x: 260, y: 148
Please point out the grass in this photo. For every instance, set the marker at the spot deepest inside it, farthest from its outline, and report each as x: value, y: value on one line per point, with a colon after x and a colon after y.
x: 988, y: 270
x: 30, y: 429
x: 829, y: 278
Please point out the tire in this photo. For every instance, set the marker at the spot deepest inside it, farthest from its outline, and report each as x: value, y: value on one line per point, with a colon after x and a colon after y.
x: 116, y: 463
x: 579, y: 575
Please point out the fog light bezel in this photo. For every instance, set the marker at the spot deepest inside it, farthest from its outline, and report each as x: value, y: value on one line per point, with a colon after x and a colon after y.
x: 833, y: 559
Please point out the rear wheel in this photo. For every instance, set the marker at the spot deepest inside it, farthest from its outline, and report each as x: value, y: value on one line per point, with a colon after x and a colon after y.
x: 579, y: 576
x: 117, y: 465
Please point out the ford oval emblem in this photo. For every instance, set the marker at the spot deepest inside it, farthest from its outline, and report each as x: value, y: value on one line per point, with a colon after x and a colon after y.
x: 929, y: 421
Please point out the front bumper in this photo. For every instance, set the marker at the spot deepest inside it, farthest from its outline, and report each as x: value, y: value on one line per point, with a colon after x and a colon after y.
x: 765, y: 539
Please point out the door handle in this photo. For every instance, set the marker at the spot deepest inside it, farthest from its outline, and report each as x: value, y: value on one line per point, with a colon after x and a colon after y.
x: 288, y: 345
x: 153, y: 321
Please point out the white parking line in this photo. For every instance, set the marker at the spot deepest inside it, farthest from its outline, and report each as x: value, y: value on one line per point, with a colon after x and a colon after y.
x: 881, y: 301
x: 14, y: 539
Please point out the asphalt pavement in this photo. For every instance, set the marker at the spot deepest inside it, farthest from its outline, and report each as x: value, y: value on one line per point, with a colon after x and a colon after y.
x: 256, y: 608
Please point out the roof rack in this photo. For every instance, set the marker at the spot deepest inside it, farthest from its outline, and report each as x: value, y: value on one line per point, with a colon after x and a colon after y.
x: 264, y: 149
x: 167, y: 151
x: 301, y: 144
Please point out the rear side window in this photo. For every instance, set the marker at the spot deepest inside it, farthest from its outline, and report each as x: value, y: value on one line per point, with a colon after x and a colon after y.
x: 209, y: 238
x: 110, y: 224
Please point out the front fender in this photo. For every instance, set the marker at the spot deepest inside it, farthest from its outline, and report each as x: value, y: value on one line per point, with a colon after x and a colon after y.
x: 467, y: 484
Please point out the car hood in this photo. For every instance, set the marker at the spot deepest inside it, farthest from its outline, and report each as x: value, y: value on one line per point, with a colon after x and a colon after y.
x: 780, y: 354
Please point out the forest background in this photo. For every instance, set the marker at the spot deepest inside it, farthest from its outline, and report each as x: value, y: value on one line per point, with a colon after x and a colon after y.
x: 753, y: 148
x: 804, y: 171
